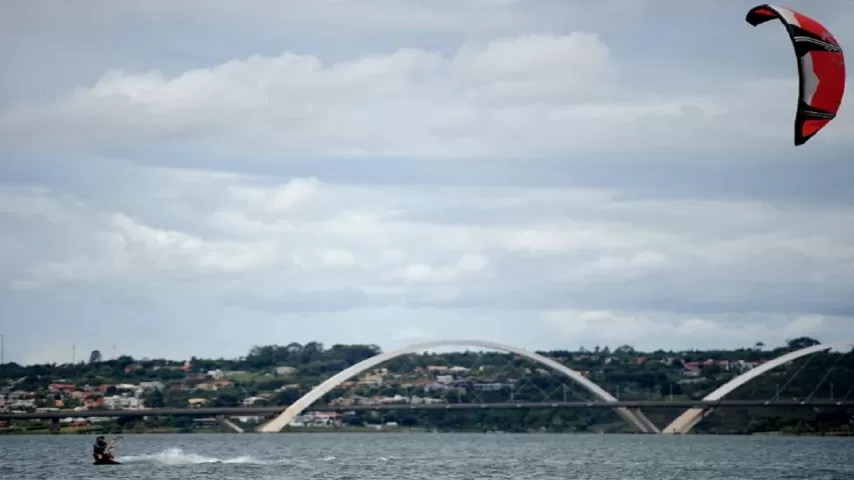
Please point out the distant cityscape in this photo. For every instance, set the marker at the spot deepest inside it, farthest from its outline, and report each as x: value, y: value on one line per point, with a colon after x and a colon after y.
x: 278, y: 375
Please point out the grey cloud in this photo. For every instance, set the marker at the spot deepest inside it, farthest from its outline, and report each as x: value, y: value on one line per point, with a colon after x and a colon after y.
x: 292, y: 300
x: 777, y: 279
x: 693, y: 289
x: 785, y: 178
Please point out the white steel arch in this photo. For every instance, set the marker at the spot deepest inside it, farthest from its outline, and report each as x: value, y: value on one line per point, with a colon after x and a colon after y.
x: 691, y: 417
x: 635, y: 418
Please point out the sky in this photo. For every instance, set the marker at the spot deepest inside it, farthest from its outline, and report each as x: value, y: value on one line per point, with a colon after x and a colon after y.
x: 194, y: 178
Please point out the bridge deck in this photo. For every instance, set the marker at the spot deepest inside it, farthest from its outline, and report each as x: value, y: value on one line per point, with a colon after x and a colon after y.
x: 254, y: 411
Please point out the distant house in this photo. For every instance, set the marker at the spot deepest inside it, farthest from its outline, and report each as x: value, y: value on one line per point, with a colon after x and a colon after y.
x: 94, y: 403
x: 60, y: 388
x: 489, y: 387
x: 317, y: 419
x: 249, y: 401
x: 285, y: 370
x: 742, y: 366
x: 346, y: 401
x: 292, y: 386
x: 692, y: 369
x: 384, y: 400
x: 419, y: 382
x: 371, y: 380
x: 132, y: 367
x: 416, y: 400
x: 118, y: 402
x: 437, y: 368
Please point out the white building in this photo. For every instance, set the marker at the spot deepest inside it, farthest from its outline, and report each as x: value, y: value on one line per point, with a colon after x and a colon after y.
x: 371, y: 380
x: 249, y: 401
x: 317, y: 419
x: 152, y: 386
x: 117, y: 402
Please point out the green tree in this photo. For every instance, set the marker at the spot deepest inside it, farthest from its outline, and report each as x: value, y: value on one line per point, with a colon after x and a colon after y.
x: 154, y: 399
x: 801, y: 343
x: 225, y: 400
x: 95, y: 356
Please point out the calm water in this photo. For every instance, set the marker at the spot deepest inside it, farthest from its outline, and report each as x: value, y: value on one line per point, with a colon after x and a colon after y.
x: 354, y: 456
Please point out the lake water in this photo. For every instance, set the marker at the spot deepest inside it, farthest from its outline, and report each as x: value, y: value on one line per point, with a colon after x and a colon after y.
x: 440, y: 456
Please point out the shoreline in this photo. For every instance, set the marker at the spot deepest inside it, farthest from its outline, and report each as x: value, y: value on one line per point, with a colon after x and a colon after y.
x: 386, y: 430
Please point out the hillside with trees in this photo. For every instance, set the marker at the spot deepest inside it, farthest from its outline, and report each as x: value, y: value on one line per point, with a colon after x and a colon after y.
x: 280, y: 374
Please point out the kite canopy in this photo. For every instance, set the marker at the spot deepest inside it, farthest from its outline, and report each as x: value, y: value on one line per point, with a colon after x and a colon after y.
x: 821, y: 68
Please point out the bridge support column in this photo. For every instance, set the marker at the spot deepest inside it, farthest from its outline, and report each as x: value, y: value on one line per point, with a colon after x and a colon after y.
x: 54, y: 426
x: 229, y: 424
x: 649, y: 427
x: 687, y: 421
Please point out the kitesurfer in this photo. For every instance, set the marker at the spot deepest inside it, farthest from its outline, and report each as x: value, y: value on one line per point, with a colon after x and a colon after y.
x: 99, y: 450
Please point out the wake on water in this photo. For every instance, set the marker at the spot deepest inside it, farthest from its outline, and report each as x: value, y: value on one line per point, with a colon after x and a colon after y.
x: 176, y: 456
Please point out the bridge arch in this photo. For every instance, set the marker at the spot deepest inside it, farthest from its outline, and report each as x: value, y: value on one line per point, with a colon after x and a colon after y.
x: 691, y: 417
x: 635, y: 418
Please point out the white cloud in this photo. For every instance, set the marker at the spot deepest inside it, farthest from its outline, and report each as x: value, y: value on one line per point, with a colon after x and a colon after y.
x: 291, y: 195
x: 296, y: 103
x: 520, y: 96
x: 468, y: 265
x: 378, y: 232
x: 412, y: 335
x: 805, y: 325
x: 647, y: 331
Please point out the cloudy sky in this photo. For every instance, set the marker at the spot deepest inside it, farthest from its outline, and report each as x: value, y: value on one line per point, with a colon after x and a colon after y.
x: 197, y: 177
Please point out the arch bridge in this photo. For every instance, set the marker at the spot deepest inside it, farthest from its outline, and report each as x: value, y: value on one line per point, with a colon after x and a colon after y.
x: 634, y: 417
